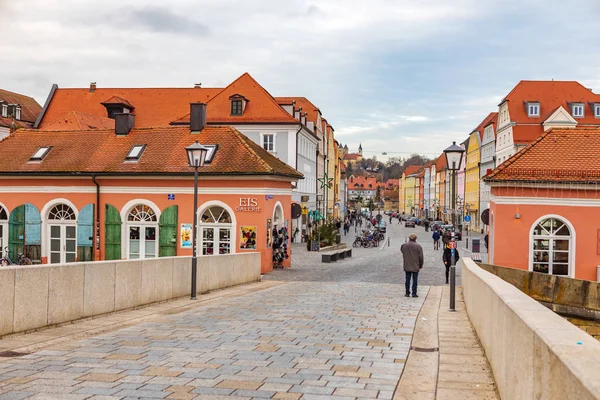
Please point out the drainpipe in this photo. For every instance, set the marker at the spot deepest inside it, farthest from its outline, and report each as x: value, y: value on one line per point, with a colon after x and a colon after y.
x: 97, y: 222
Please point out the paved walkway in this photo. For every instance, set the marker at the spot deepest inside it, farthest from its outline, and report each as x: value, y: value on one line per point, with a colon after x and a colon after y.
x: 312, y: 339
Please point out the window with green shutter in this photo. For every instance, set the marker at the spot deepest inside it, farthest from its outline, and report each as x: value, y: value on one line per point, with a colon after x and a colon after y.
x: 16, y: 232
x: 112, y: 237
x: 168, y: 232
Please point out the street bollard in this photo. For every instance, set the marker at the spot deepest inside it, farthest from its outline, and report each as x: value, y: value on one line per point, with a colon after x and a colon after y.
x: 388, y: 241
x: 467, y: 242
x: 453, y: 274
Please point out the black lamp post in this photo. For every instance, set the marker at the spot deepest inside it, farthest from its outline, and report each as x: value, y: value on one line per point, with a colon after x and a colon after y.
x: 196, y: 155
x: 454, y: 155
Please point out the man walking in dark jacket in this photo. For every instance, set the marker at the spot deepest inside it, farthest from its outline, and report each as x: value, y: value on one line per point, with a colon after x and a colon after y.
x: 447, y: 258
x: 412, y: 253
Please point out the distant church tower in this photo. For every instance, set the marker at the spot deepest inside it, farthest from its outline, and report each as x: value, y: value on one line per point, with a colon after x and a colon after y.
x: 360, y: 149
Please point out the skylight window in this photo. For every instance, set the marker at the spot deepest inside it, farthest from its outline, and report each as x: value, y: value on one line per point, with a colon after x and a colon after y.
x: 533, y: 109
x: 40, y: 153
x: 136, y: 152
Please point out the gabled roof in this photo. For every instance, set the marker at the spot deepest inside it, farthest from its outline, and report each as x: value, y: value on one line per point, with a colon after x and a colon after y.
x: 351, y: 156
x: 558, y: 155
x: 312, y: 111
x: 412, y: 169
x: 153, y: 106
x: 29, y: 110
x: 29, y: 107
x: 362, y: 182
x: 260, y: 108
x: 102, y: 152
x: 486, y: 121
x: 80, y: 121
x: 440, y: 163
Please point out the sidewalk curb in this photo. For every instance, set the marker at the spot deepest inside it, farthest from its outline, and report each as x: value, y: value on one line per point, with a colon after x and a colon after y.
x: 420, y: 375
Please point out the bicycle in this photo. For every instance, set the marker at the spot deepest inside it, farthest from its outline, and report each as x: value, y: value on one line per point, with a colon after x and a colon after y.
x: 21, y: 259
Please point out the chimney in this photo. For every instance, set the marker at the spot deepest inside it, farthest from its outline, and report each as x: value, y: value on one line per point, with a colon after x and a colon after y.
x: 197, y: 85
x: 124, y: 122
x: 92, y: 87
x: 197, y: 117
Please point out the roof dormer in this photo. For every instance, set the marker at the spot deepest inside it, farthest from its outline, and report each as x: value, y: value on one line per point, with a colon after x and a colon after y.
x: 3, y: 109
x: 533, y: 109
x: 577, y: 110
x: 238, y: 104
x: 117, y: 105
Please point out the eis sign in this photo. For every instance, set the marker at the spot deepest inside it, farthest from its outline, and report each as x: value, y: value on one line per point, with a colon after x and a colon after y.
x: 248, y: 204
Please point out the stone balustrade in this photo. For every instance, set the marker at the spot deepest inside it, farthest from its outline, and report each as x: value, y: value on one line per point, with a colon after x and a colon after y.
x: 33, y: 297
x: 533, y: 352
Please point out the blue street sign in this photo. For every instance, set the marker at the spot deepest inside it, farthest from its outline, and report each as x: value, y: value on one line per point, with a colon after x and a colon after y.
x: 170, y: 197
x: 467, y: 218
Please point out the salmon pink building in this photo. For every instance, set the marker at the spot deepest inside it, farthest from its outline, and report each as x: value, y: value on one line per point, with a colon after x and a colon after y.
x: 78, y: 194
x: 544, y: 205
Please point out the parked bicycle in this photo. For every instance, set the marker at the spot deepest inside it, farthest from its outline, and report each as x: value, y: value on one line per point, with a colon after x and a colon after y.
x: 21, y: 259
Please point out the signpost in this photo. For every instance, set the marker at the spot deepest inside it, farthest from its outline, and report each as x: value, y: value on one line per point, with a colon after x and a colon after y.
x: 467, y: 218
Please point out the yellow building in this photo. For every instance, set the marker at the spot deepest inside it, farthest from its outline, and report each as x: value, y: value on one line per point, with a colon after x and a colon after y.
x: 401, y: 194
x: 411, y: 189
x: 472, y: 175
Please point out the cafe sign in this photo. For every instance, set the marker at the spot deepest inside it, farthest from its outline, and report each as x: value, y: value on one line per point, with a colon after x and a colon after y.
x: 248, y: 204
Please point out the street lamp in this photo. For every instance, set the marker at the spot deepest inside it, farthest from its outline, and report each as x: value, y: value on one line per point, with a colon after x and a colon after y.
x: 196, y: 155
x: 454, y: 156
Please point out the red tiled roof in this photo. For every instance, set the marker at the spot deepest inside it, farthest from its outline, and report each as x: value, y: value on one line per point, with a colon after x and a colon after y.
x: 486, y: 121
x: 80, y: 121
x: 261, y: 106
x: 101, y: 151
x: 29, y: 107
x: 440, y: 163
x: 390, y: 193
x: 312, y: 111
x: 362, y: 182
x: 412, y: 169
x: 153, y: 106
x: 558, y: 155
x: 351, y: 156
x: 392, y: 182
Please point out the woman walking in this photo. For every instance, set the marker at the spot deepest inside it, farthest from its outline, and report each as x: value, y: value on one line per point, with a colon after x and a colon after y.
x: 447, y: 258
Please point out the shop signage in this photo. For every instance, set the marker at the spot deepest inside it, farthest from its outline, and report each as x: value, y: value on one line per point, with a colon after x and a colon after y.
x: 248, y: 204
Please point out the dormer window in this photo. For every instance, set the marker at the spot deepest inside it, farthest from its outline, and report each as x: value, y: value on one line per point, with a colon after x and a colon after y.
x: 577, y: 110
x: 40, y: 154
x: 4, y: 110
x: 116, y: 105
x: 597, y: 110
x: 18, y: 112
x: 238, y: 104
x: 533, y: 109
x: 135, y: 153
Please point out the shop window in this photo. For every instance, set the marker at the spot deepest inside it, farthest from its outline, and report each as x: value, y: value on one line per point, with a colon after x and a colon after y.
x: 551, y: 251
x: 215, y: 231
x: 142, y: 232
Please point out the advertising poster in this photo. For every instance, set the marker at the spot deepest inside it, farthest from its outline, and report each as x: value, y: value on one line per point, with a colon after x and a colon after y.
x: 248, y: 237
x: 269, y: 233
x: 186, y: 236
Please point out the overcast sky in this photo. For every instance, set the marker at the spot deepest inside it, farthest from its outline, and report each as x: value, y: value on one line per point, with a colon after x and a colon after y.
x: 399, y: 76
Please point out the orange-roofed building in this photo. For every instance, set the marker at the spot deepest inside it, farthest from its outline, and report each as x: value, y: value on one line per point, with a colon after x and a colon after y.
x: 487, y: 164
x: 544, y: 201
x: 127, y: 193
x: 410, y: 189
x: 362, y: 187
x: 533, y: 107
x: 16, y: 111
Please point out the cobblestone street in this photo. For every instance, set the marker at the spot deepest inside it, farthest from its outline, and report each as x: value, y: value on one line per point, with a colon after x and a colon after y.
x: 342, y: 329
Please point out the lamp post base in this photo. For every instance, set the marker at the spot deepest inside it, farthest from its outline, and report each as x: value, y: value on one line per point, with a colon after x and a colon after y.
x: 453, y: 288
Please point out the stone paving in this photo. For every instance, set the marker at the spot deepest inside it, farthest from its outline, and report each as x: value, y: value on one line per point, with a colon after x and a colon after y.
x: 302, y: 339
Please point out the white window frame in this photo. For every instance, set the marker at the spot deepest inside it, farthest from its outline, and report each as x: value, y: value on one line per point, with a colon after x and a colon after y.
x: 4, y: 230
x: 572, y: 243
x: 18, y: 113
x: 134, y: 155
x: 262, y: 141
x: 4, y: 110
x: 216, y: 226
x: 142, y: 225
x: 597, y: 110
x: 578, y: 107
x: 533, y: 107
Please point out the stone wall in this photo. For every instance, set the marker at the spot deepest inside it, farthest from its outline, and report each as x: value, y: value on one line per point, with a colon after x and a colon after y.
x: 533, y: 352
x: 564, y: 295
x: 33, y: 297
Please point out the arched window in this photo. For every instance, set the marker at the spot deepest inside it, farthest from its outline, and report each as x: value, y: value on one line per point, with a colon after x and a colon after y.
x: 215, y: 231
x: 62, y: 225
x: 142, y: 232
x: 552, y: 247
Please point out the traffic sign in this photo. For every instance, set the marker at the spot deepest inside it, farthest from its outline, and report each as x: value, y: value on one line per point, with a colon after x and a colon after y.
x: 467, y: 218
